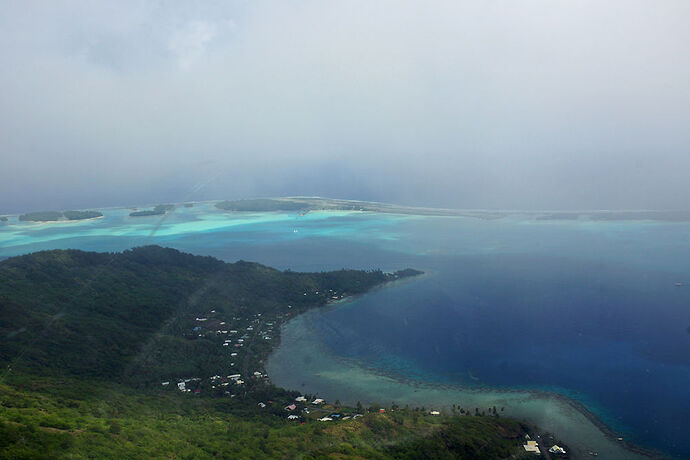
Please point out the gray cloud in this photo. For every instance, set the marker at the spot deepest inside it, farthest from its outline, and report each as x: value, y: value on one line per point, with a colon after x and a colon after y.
x: 527, y: 104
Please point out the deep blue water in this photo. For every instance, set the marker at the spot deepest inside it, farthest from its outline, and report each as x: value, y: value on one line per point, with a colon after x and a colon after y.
x: 614, y: 337
x: 589, y: 309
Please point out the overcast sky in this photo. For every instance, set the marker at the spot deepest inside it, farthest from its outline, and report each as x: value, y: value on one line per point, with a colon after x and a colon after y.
x: 484, y: 104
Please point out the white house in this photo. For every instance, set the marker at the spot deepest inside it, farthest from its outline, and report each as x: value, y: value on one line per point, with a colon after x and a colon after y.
x: 531, y: 446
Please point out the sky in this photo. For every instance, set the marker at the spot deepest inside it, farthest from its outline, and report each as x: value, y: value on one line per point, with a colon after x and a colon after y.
x: 515, y: 104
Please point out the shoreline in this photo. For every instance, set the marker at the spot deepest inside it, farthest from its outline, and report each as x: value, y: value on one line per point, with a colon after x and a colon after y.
x: 59, y: 221
x: 543, y: 215
x: 414, y: 383
x: 607, y: 431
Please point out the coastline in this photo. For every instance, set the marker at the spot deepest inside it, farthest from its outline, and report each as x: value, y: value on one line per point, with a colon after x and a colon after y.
x: 542, y: 215
x: 59, y: 221
x: 368, y: 383
x: 608, y: 431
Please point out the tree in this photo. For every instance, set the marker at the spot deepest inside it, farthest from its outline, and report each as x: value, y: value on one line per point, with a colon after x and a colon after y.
x: 115, y: 427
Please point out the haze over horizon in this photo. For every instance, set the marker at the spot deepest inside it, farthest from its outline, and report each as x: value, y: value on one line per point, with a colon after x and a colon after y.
x: 511, y: 105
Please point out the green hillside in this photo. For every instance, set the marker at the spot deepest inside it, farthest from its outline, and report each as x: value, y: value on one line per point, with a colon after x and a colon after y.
x: 152, y: 353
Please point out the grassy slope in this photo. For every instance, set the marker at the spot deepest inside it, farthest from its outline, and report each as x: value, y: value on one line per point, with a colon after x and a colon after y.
x: 44, y: 418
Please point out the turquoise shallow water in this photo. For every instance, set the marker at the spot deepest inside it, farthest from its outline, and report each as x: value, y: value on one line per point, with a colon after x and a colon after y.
x: 587, y: 309
x: 204, y: 230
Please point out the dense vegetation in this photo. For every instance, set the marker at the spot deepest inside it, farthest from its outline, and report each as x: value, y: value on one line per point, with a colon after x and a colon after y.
x: 41, y: 216
x: 125, y: 355
x: 145, y: 213
x: 91, y: 313
x: 157, y: 210
x: 261, y: 205
x: 51, y: 216
x: 44, y: 418
x: 79, y: 215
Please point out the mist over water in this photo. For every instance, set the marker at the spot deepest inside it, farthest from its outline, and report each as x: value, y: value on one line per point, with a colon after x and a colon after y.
x: 530, y: 104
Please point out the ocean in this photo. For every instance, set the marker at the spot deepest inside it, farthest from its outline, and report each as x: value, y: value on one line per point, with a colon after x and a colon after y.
x: 510, y: 311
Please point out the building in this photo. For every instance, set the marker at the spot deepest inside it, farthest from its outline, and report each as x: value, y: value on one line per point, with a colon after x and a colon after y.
x: 555, y: 449
x: 531, y: 446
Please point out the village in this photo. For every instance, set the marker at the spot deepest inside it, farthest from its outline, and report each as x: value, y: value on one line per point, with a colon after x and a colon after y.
x: 234, y: 337
x: 244, y: 341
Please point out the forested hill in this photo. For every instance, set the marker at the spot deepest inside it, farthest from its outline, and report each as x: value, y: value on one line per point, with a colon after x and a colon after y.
x: 152, y: 353
x: 128, y: 315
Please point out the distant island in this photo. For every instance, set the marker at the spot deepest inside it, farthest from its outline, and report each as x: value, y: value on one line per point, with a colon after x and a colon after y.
x: 158, y: 210
x: 3, y: 219
x: 81, y: 215
x: 53, y: 216
x: 304, y: 205
x: 262, y: 205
